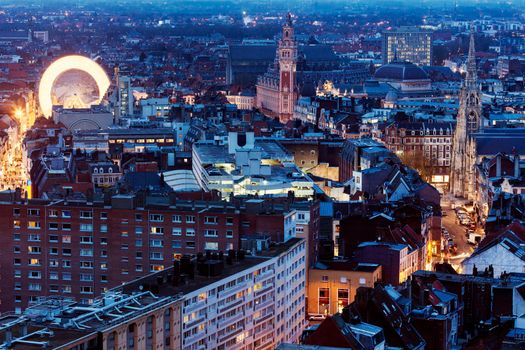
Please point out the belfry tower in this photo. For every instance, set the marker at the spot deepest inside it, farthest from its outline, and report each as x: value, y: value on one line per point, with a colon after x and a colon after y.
x: 287, y: 59
x: 468, y: 122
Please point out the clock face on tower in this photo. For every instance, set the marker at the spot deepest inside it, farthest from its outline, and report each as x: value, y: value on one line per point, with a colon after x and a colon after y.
x: 285, y: 66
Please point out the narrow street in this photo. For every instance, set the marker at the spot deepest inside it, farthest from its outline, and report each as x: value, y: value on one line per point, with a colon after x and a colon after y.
x: 457, y: 233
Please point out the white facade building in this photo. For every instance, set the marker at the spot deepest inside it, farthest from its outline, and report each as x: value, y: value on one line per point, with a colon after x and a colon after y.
x: 256, y: 308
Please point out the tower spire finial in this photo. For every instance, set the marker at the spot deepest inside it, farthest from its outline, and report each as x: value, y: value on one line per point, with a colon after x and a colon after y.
x: 471, y: 59
x: 289, y: 19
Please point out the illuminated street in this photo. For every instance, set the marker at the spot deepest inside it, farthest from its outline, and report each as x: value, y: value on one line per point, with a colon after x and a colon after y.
x: 13, y: 173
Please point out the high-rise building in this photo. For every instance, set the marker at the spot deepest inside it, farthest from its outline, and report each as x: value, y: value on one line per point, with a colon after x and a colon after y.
x: 410, y: 44
x: 277, y: 90
x: 468, y: 122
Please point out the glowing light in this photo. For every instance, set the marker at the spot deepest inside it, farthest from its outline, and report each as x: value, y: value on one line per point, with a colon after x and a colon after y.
x: 18, y: 113
x: 65, y: 64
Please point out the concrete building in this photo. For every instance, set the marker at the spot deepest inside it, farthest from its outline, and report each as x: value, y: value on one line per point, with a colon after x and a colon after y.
x: 410, y: 44
x: 93, y: 118
x: 248, y: 166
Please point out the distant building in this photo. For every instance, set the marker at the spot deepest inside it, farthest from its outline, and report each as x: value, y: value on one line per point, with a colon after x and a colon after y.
x: 277, y: 89
x: 410, y: 44
x: 248, y: 166
x: 41, y: 35
x: 92, y: 118
x: 244, y: 101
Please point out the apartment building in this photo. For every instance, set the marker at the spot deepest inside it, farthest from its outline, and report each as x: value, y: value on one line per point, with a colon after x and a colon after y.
x: 209, y: 302
x: 81, y: 249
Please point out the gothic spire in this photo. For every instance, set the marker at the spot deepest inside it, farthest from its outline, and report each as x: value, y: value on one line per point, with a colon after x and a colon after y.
x: 472, y: 76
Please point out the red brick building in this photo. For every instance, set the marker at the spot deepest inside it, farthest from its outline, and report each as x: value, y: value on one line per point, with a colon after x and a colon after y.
x: 80, y: 249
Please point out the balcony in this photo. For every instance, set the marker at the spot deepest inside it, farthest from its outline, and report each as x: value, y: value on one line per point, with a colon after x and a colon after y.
x: 231, y: 333
x: 231, y: 304
x: 227, y: 292
x: 263, y: 276
x: 264, y: 304
x: 194, y: 338
x: 192, y: 307
x: 263, y: 290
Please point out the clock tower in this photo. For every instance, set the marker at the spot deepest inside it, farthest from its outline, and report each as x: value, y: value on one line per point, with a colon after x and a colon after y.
x: 287, y: 58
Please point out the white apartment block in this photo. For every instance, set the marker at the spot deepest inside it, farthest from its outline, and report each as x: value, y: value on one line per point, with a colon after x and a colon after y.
x: 254, y: 309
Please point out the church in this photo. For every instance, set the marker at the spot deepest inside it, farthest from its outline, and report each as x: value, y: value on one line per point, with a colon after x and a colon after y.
x: 473, y: 144
x: 277, y: 88
x: 468, y: 124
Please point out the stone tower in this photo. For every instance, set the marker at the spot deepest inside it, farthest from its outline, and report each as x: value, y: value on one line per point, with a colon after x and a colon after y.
x: 287, y: 59
x: 468, y: 122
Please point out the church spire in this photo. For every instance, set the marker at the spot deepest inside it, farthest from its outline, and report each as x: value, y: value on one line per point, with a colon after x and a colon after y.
x: 472, y: 76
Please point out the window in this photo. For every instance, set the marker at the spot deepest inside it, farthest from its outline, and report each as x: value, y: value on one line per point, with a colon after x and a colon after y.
x: 33, y: 212
x: 86, y: 252
x: 53, y: 226
x: 190, y: 244
x: 138, y: 243
x: 210, y: 233
x: 16, y: 223
x: 324, y: 278
x: 66, y: 263
x: 66, y: 276
x: 190, y: 219
x: 156, y: 256
x: 66, y: 239
x: 53, y: 263
x: 33, y: 225
x: 86, y: 215
x: 53, y: 275
x: 34, y: 262
x: 103, y: 216
x: 362, y: 280
x: 176, y: 244
x: 190, y: 232
x: 16, y: 211
x: 176, y: 231
x: 210, y: 219
x: 156, y: 217
x: 66, y: 213
x: 229, y: 221
x: 34, y: 250
x: 53, y: 251
x: 157, y: 230
x: 66, y: 227
x: 86, y: 227
x: 156, y: 243
x: 86, y: 239
x: 138, y: 217
x: 66, y: 251
x: 211, y: 246
x: 176, y: 219
x: 34, y: 275
x: 34, y: 237
x: 103, y: 228
x: 35, y: 287
x: 86, y: 290
x: 53, y: 213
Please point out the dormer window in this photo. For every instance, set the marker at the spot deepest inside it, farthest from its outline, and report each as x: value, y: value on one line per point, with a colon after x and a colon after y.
x: 110, y: 170
x: 95, y: 171
x: 101, y: 171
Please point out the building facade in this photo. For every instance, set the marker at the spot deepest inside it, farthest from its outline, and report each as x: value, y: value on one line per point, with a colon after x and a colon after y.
x: 410, y: 44
x: 199, y: 303
x: 276, y: 90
